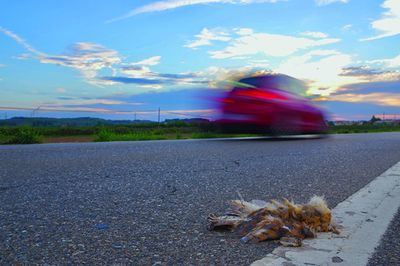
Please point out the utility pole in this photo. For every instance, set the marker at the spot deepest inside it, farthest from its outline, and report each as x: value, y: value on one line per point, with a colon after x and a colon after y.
x: 159, y: 115
x: 135, y: 116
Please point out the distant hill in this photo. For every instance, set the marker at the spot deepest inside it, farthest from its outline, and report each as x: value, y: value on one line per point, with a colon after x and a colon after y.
x: 187, y: 120
x: 87, y: 121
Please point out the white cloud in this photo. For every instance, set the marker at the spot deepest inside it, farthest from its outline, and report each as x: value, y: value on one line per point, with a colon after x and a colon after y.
x: 206, y: 36
x: 388, y: 63
x: 347, y: 27
x: 367, y: 74
x: 219, y: 77
x: 393, y: 62
x: 378, y: 70
x: 91, y: 58
x: 151, y: 61
x: 172, y: 4
x: 154, y: 86
x: 259, y: 63
x: 250, y: 43
x: 86, y: 57
x: 244, y: 31
x: 322, y: 68
x: 136, y: 71
x: 389, y: 23
x: 327, y: 2
x: 314, y: 34
x: 21, y: 41
x: 61, y: 90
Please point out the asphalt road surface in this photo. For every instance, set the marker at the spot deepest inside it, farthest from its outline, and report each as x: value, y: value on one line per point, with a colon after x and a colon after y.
x: 147, y: 202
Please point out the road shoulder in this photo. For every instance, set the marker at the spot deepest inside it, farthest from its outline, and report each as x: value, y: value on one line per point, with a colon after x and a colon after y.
x: 363, y: 218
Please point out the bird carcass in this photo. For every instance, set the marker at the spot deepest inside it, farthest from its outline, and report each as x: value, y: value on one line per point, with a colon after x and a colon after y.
x: 257, y: 220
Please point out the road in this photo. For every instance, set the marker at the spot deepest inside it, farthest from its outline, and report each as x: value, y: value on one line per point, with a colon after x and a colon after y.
x: 147, y: 202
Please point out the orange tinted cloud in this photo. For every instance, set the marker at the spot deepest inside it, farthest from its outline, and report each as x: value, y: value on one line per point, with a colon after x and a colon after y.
x: 389, y: 99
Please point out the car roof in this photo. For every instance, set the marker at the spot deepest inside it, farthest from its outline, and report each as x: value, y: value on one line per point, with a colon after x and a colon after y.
x: 275, y: 81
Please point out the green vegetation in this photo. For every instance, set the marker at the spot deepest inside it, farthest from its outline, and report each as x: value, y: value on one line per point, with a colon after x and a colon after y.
x: 3, y: 138
x: 106, y: 135
x: 24, y: 135
x: 363, y: 128
x: 172, y: 129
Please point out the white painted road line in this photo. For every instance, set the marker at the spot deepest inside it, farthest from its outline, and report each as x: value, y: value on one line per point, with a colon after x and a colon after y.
x: 364, y: 218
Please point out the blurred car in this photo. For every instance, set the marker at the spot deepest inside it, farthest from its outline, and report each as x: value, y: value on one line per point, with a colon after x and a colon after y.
x: 263, y: 104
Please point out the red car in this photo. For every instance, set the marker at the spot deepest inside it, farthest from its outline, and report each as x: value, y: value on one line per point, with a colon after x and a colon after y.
x: 263, y: 104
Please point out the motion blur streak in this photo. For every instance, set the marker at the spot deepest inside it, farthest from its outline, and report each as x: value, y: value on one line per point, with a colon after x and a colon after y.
x: 269, y: 104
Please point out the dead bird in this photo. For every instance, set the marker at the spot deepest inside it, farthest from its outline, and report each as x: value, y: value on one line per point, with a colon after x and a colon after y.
x: 257, y: 220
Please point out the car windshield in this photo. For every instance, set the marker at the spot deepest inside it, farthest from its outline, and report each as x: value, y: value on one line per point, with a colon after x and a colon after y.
x: 281, y: 82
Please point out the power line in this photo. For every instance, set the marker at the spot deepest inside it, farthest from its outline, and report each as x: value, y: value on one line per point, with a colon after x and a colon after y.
x: 186, y: 115
x: 158, y: 111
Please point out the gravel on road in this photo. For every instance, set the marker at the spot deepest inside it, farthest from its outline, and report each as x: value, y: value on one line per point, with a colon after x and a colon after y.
x: 146, y: 203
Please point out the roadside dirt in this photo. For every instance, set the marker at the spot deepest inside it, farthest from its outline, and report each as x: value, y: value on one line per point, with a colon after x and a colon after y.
x: 68, y: 139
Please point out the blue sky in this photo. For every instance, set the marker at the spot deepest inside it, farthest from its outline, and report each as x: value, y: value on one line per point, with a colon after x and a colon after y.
x: 121, y: 58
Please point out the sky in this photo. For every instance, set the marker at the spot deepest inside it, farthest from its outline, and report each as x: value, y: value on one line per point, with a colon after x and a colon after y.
x: 123, y: 59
